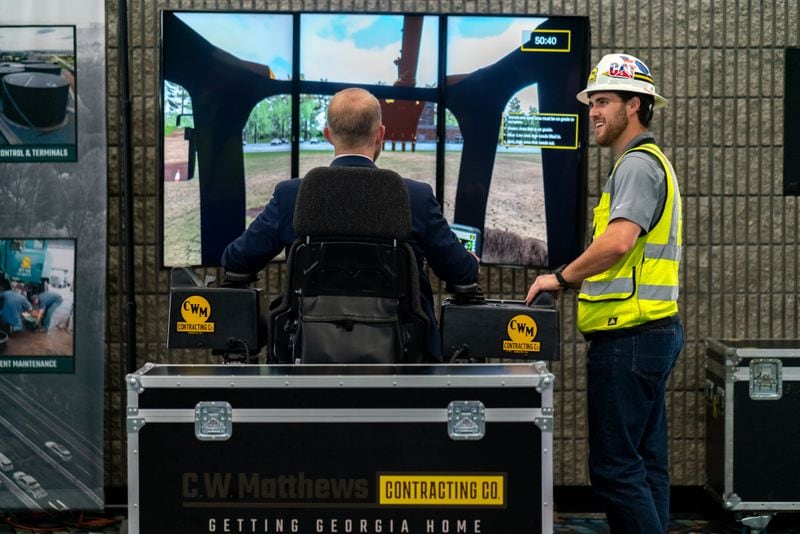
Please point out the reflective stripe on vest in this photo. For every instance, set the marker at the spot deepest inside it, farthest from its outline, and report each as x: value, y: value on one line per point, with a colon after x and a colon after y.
x: 643, y: 285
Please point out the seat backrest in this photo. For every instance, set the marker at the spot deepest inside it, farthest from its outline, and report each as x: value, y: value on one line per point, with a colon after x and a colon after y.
x: 352, y: 294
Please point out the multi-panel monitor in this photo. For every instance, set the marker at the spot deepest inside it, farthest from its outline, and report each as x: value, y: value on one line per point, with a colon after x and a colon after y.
x: 480, y: 107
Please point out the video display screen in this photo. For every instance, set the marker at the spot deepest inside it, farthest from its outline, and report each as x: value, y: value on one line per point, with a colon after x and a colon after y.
x: 482, y: 108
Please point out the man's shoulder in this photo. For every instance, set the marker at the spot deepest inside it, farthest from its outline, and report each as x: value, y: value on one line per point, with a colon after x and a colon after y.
x: 416, y: 187
x: 287, y: 187
x: 291, y: 183
x: 639, y: 161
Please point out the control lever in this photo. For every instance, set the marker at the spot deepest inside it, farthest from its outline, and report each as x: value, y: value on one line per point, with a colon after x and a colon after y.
x: 240, y: 280
x: 185, y: 277
x: 466, y: 293
x: 545, y: 299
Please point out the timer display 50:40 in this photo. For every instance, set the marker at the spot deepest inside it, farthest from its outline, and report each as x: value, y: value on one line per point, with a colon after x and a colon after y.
x: 547, y: 41
x: 541, y: 40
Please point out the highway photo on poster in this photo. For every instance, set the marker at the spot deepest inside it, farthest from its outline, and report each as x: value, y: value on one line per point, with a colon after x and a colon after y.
x: 46, y: 464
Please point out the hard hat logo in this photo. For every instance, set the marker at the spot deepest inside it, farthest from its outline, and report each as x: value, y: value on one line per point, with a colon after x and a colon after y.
x: 615, y: 70
x: 621, y: 73
x: 642, y: 67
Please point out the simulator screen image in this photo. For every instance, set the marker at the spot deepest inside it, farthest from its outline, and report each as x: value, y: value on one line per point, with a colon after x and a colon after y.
x: 235, y: 43
x: 482, y: 108
x: 513, y: 187
x: 38, y: 79
x: 37, y: 293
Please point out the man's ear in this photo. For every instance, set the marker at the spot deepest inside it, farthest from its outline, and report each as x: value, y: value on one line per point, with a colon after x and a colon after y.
x: 327, y: 133
x: 635, y: 103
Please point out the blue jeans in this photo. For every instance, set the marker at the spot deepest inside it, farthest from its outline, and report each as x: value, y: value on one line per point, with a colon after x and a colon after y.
x: 628, y: 440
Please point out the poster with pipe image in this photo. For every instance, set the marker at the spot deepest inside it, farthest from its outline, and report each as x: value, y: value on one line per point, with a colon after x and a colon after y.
x: 38, y: 78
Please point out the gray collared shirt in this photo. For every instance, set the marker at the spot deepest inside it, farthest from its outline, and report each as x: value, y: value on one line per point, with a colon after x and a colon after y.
x: 637, y: 187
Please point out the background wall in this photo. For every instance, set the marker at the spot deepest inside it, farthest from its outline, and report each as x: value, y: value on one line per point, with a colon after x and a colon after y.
x: 720, y: 64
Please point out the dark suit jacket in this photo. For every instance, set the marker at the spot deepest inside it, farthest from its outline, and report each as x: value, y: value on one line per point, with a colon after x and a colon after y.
x: 431, y: 240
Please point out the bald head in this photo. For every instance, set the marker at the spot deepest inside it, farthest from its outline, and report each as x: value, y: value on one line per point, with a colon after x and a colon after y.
x: 354, y: 123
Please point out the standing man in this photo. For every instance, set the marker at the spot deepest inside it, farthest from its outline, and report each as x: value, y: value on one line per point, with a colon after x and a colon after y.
x: 356, y: 131
x: 47, y: 302
x: 628, y: 300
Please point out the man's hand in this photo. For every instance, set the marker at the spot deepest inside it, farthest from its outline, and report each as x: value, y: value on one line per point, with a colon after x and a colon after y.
x: 544, y: 282
x: 606, y: 250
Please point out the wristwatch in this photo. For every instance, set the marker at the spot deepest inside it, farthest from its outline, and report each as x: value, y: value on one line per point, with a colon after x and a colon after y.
x: 560, y: 278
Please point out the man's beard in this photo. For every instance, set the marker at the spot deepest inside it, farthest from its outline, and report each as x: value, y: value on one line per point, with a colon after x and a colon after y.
x: 612, y: 130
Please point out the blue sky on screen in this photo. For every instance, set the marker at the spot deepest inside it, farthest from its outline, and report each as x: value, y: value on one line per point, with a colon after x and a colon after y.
x: 476, y: 42
x: 261, y: 38
x: 79, y: 12
x: 362, y: 48
x: 37, y: 38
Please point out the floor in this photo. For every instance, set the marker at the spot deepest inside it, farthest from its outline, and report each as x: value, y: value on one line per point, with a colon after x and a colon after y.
x: 565, y: 524
x: 55, y: 342
x: 595, y: 524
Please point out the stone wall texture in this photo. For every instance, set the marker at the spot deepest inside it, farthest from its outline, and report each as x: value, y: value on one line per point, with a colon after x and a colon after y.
x: 720, y: 64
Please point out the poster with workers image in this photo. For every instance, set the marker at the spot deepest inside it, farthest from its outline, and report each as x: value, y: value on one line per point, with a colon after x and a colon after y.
x: 53, y: 233
x: 37, y: 296
x: 38, y: 83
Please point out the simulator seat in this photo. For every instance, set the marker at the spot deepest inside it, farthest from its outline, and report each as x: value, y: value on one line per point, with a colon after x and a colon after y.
x: 352, y: 294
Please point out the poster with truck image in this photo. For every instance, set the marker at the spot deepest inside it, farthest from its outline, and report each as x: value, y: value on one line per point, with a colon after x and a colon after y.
x: 37, y: 296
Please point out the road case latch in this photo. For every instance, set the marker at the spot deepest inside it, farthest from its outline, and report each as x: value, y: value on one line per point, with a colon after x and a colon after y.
x: 766, y: 379
x: 466, y: 420
x: 715, y: 396
x: 213, y: 421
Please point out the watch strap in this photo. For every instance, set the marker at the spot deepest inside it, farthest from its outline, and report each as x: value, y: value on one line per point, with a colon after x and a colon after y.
x: 560, y: 278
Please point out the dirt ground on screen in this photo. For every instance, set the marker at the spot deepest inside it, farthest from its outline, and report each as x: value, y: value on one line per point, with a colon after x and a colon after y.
x: 515, y: 204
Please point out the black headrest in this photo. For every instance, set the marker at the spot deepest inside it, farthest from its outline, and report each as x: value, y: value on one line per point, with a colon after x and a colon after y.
x: 353, y: 201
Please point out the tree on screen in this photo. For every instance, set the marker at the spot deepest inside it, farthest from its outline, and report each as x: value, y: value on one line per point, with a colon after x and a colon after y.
x: 310, y: 110
x: 177, y: 103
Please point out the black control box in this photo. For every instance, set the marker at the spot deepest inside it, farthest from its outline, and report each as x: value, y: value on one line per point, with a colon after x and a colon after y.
x: 482, y: 329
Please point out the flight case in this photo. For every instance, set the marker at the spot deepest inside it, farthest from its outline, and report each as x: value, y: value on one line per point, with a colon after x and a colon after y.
x: 340, y: 448
x: 752, y: 433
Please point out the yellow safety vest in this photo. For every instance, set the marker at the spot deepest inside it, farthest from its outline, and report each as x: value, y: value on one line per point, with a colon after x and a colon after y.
x: 643, y: 285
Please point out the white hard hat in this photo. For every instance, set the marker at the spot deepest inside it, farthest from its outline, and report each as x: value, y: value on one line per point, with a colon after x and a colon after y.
x: 621, y: 72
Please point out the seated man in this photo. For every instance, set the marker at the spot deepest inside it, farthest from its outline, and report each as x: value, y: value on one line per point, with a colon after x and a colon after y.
x: 14, y: 304
x: 356, y: 132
